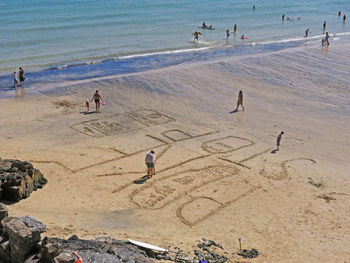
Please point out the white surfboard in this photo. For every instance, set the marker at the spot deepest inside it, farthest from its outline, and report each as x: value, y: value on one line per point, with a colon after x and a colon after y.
x: 145, y: 245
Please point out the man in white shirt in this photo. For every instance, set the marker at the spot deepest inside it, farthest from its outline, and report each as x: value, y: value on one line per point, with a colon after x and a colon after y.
x: 150, y: 163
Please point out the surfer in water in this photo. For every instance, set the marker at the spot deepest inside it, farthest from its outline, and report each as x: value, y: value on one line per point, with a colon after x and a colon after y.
x: 196, y: 34
x: 227, y: 33
x: 97, y: 99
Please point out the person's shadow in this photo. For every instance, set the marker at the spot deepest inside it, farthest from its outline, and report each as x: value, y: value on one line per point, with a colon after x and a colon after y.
x: 86, y: 112
x: 274, y: 151
x: 234, y: 111
x: 142, y: 180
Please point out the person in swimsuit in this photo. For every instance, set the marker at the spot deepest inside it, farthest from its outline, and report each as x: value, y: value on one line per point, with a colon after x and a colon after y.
x: 79, y: 259
x: 204, y: 25
x: 243, y: 37
x: 15, y: 80
x: 339, y: 13
x: 344, y: 18
x: 283, y: 17
x: 21, y: 76
x: 227, y: 33
x: 196, y: 34
x: 97, y: 98
x: 279, y: 140
x: 324, y: 25
x: 240, y: 100
x: 235, y: 29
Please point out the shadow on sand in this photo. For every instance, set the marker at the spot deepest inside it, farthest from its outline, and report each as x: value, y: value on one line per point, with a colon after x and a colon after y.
x: 142, y: 180
x: 274, y: 151
x: 234, y: 111
x: 87, y: 112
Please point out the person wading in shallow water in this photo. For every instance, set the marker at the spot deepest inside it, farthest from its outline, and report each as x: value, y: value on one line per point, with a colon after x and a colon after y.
x: 240, y: 100
x: 97, y: 98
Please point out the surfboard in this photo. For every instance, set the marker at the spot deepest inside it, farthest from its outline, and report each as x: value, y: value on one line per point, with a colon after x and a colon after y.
x: 145, y: 245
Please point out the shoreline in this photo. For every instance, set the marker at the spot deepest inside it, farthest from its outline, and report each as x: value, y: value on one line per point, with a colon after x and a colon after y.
x: 56, y: 76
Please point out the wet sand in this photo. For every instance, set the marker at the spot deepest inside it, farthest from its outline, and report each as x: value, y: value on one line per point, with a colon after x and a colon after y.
x: 216, y: 174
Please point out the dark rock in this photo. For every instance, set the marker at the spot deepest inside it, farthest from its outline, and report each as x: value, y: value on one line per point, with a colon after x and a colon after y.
x: 5, y: 251
x: 64, y: 258
x: 18, y: 180
x: 253, y: 253
x: 24, y: 235
x: 102, y: 250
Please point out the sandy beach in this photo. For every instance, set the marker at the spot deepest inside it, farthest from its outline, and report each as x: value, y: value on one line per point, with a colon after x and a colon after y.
x: 216, y: 174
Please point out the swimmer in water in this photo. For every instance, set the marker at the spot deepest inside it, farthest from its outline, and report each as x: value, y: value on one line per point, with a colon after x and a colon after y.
x: 299, y: 18
x: 211, y: 27
x: 204, y: 25
x: 243, y: 37
x: 307, y: 32
x: 196, y: 34
x: 254, y: 7
x: 235, y: 29
x: 227, y: 33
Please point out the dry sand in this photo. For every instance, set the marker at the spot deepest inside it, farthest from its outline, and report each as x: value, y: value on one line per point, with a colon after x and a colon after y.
x: 216, y: 176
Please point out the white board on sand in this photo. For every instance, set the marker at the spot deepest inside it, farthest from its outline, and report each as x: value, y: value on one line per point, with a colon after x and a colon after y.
x: 145, y: 245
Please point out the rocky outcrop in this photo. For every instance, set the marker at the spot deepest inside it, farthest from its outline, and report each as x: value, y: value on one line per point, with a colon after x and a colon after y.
x: 18, y: 180
x: 20, y: 242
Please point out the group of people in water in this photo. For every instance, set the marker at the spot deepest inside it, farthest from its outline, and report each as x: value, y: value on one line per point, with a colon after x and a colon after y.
x: 325, y: 41
x: 21, y: 78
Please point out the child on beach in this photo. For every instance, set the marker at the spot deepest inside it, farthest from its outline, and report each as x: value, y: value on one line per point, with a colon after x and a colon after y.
x: 15, y: 79
x: 87, y: 104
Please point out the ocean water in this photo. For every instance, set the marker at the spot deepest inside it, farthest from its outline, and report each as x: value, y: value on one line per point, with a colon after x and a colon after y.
x: 66, y: 40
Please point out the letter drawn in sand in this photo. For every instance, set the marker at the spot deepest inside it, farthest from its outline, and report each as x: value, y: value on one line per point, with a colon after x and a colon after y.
x: 226, y: 144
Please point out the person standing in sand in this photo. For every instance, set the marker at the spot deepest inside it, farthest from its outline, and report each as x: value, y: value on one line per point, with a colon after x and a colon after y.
x: 240, y: 100
x: 15, y: 79
x: 279, y: 137
x: 97, y: 98
x: 150, y: 163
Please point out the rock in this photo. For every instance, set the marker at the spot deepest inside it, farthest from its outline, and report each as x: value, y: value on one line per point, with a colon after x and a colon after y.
x: 3, y: 211
x: 24, y: 235
x: 102, y: 250
x: 253, y: 253
x: 49, y: 251
x: 65, y: 258
x: 18, y: 179
x: 5, y: 251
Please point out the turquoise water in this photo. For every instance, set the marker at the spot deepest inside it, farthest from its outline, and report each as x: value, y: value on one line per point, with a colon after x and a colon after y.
x: 46, y: 34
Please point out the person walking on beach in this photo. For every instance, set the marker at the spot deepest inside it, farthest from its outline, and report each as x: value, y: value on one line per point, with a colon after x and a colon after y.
x: 21, y: 76
x: 150, y: 163
x: 15, y: 79
x: 279, y: 140
x: 307, y: 32
x: 324, y: 25
x: 196, y: 34
x: 97, y: 98
x: 240, y: 100
x: 235, y: 29
x: 227, y: 33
